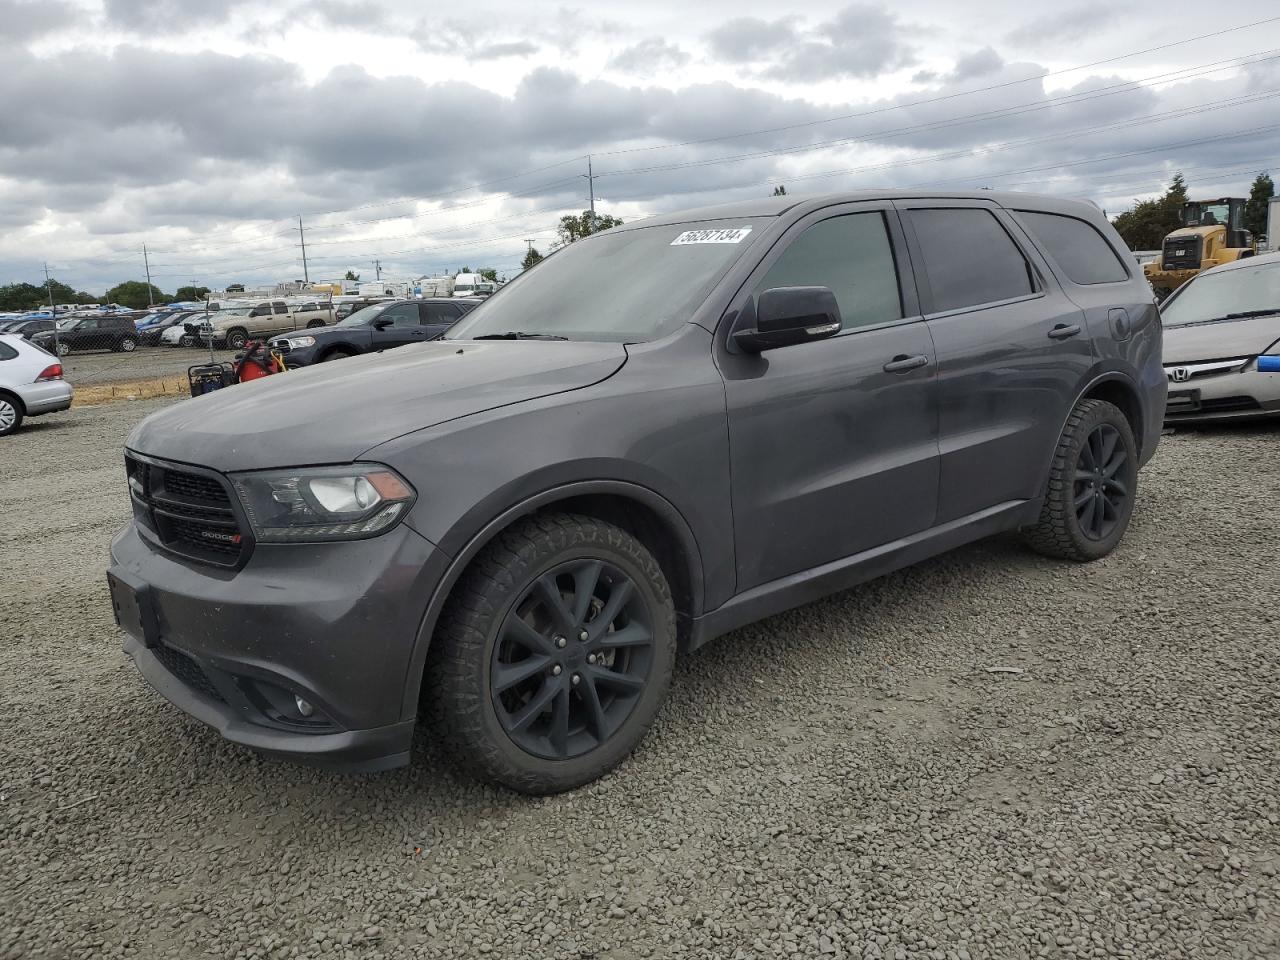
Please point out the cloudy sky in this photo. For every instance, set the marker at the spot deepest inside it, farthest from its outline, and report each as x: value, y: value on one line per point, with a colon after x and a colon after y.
x: 431, y: 136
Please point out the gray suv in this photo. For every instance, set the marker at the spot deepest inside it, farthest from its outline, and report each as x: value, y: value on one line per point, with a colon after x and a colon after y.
x: 659, y: 434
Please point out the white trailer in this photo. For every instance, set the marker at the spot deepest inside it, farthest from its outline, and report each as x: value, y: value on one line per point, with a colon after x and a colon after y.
x: 1273, y: 224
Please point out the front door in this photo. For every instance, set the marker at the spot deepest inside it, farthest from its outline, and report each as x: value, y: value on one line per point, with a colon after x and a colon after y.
x: 397, y: 325
x: 833, y: 444
x: 1013, y: 350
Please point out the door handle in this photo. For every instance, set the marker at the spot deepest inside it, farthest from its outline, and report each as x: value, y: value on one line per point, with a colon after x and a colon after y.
x: 903, y: 363
x: 1064, y: 331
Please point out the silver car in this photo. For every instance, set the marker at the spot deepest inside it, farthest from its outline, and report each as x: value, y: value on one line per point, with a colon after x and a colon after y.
x: 1222, y: 343
x: 31, y: 383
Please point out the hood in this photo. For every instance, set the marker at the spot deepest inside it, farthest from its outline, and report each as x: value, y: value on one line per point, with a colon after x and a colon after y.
x: 334, y: 412
x: 1221, y: 340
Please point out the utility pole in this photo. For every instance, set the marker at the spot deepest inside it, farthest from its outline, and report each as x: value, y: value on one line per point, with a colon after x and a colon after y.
x: 147, y: 263
x: 306, y: 277
x: 591, y: 185
x: 57, y: 348
x: 377, y: 267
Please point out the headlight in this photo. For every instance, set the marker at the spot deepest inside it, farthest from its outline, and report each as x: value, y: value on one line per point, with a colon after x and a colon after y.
x: 296, y: 343
x: 323, y: 503
x: 1269, y: 362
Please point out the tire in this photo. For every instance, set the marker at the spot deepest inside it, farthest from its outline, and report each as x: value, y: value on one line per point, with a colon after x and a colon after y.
x: 607, y: 689
x: 10, y: 414
x: 338, y: 353
x: 128, y: 344
x: 64, y: 348
x: 186, y: 340
x: 1093, y: 481
x: 236, y: 339
x: 314, y: 324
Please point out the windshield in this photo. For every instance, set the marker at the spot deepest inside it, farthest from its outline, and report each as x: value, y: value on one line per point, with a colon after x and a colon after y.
x: 364, y: 316
x: 1212, y: 214
x: 1216, y: 294
x: 625, y: 286
x: 68, y: 322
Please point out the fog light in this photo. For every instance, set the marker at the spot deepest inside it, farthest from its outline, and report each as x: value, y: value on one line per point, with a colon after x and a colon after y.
x: 304, y: 708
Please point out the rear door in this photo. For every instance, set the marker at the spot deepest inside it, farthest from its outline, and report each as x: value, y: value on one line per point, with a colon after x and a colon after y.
x: 833, y: 444
x: 438, y: 317
x: 1012, y: 351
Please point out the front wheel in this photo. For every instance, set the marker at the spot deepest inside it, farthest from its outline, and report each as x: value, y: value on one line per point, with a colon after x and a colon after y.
x: 236, y: 339
x: 1092, y: 484
x: 63, y: 348
x: 186, y: 340
x: 554, y: 653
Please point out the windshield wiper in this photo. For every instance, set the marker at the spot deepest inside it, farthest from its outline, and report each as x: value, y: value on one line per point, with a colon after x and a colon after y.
x: 1245, y: 314
x: 519, y: 335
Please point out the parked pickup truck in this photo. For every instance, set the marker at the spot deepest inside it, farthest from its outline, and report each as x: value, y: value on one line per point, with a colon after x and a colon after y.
x: 236, y: 327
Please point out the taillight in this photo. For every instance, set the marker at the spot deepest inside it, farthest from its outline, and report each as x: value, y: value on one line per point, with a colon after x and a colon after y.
x: 51, y: 372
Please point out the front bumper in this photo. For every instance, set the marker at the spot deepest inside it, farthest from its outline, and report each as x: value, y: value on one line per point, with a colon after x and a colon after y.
x: 48, y: 397
x: 333, y: 623
x: 1234, y: 395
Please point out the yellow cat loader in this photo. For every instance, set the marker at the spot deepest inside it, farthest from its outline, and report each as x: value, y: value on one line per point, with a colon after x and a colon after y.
x: 1212, y: 233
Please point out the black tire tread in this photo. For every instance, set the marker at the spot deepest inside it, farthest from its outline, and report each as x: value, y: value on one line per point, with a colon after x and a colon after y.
x: 455, y: 677
x: 1052, y: 535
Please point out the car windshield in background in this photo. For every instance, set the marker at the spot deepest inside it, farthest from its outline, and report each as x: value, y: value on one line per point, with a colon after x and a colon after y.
x: 363, y: 316
x: 1226, y: 293
x: 626, y: 286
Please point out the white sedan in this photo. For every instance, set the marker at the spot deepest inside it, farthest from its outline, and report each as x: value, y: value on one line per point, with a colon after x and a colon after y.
x: 31, y: 383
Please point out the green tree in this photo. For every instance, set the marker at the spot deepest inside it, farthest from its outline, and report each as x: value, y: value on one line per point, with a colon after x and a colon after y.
x: 1255, y: 211
x: 489, y: 273
x: 133, y: 294
x: 191, y: 293
x: 23, y: 296
x: 531, y: 258
x: 572, y: 228
x: 780, y: 190
x: 353, y: 276
x: 1146, y: 225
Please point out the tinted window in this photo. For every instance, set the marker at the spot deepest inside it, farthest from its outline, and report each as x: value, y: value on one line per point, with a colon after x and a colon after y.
x: 969, y: 258
x: 439, y: 313
x: 852, y: 256
x: 87, y: 325
x: 402, y: 315
x: 1077, y: 247
x: 7, y: 352
x: 281, y: 308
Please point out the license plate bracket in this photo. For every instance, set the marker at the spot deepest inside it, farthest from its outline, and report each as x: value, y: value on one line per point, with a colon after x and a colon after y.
x: 131, y: 604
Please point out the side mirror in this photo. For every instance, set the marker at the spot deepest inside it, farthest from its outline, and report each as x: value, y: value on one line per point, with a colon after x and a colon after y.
x: 381, y: 324
x: 789, y: 315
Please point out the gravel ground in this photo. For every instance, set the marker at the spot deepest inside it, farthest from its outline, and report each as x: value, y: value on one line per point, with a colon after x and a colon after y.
x: 845, y: 780
x: 145, y: 363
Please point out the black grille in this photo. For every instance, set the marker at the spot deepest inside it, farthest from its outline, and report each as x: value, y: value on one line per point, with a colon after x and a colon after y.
x: 1181, y: 253
x: 187, y: 670
x: 1223, y: 404
x: 189, y: 513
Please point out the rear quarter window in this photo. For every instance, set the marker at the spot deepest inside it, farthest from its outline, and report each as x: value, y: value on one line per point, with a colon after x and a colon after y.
x: 7, y: 352
x: 1075, y: 246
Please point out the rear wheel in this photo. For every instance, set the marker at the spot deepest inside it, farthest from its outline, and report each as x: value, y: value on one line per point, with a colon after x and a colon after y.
x: 554, y: 653
x: 10, y: 415
x: 63, y: 348
x: 128, y: 344
x: 1092, y: 484
x: 315, y: 323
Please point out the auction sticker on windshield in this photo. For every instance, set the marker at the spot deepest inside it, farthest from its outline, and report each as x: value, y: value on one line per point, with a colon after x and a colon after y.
x: 732, y: 235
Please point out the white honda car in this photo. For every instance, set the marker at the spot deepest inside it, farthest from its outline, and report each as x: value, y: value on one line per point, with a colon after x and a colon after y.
x: 31, y: 383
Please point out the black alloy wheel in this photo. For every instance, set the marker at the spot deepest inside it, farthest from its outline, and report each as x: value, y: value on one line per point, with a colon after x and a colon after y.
x: 554, y: 653
x: 1092, y: 485
x: 1100, y: 494
x: 572, y: 659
